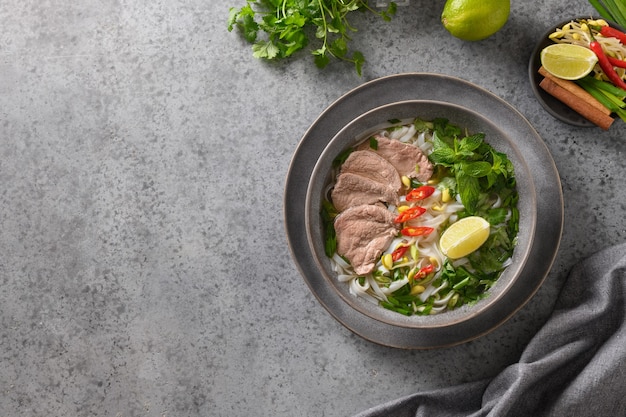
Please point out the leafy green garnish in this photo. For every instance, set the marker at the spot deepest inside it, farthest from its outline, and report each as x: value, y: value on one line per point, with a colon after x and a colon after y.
x: 374, y: 143
x: 330, y: 237
x: 480, y: 175
x: 478, y: 169
x: 470, y: 285
x: 279, y: 28
x: 422, y: 125
x: 341, y: 158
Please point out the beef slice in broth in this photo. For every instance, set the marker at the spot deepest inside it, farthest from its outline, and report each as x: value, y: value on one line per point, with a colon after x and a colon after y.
x: 354, y: 190
x: 373, y: 166
x: 365, y: 178
x: 408, y: 160
x: 363, y: 233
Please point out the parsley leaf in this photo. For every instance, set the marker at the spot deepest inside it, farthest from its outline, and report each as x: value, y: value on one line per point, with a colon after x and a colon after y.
x: 263, y: 49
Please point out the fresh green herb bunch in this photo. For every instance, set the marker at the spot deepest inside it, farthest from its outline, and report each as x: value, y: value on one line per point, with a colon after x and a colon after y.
x: 614, y: 10
x: 279, y: 28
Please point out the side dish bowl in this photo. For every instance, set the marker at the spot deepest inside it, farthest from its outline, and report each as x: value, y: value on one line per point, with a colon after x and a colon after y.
x: 556, y: 108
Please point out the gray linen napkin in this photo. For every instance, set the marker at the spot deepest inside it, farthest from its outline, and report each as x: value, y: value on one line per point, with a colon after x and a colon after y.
x: 575, y: 366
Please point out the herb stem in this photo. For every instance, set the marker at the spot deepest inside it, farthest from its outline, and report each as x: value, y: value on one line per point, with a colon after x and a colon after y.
x: 325, y: 26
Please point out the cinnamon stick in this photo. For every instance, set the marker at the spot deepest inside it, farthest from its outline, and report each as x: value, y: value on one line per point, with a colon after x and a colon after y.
x: 573, y: 101
x: 575, y: 89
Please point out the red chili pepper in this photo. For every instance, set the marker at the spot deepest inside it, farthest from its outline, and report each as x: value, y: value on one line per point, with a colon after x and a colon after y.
x: 399, y: 253
x: 604, y: 62
x: 417, y: 231
x: 421, y: 274
x: 617, y: 62
x: 610, y: 32
x: 420, y: 193
x: 410, y: 214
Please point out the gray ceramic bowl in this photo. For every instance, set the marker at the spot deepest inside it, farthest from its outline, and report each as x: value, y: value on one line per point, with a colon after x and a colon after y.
x: 361, y: 128
x: 427, y: 96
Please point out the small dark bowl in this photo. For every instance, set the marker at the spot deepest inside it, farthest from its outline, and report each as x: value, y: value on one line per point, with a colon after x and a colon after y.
x: 552, y: 105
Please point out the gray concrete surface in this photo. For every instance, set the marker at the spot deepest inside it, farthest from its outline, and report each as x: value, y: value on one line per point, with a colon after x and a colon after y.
x: 144, y: 269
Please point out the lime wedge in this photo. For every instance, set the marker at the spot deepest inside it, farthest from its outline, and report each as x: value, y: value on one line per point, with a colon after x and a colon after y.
x: 568, y: 61
x: 464, y: 237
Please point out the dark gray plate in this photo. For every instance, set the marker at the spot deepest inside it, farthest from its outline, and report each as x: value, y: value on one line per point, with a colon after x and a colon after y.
x: 421, y: 86
x: 553, y: 106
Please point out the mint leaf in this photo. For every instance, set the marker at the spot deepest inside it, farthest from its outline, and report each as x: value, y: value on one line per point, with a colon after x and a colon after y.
x: 443, y: 156
x: 446, y: 131
x: 442, y: 153
x: 469, y: 190
x: 476, y: 169
x: 471, y: 143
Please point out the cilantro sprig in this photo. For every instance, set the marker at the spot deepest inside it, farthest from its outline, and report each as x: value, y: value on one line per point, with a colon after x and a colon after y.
x: 277, y: 29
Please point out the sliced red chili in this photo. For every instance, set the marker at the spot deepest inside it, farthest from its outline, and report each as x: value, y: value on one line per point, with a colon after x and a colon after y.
x: 421, y: 274
x: 616, y: 62
x: 410, y: 214
x: 417, y: 230
x: 420, y: 193
x: 399, y: 253
x: 610, y: 32
x: 604, y: 62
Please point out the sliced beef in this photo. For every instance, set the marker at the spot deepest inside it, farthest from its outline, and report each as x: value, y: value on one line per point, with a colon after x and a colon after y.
x: 373, y: 166
x: 364, y: 232
x: 353, y: 190
x: 408, y: 160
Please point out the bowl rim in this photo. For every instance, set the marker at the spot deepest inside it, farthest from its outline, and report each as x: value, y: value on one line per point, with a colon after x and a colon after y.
x: 449, y: 318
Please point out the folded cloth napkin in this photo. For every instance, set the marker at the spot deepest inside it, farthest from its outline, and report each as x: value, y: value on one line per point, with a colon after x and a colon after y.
x: 575, y: 366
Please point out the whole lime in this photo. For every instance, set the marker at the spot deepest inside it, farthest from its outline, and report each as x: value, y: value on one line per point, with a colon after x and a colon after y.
x: 473, y: 20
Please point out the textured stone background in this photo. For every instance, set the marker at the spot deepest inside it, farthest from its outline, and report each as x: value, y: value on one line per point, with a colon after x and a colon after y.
x: 144, y: 269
